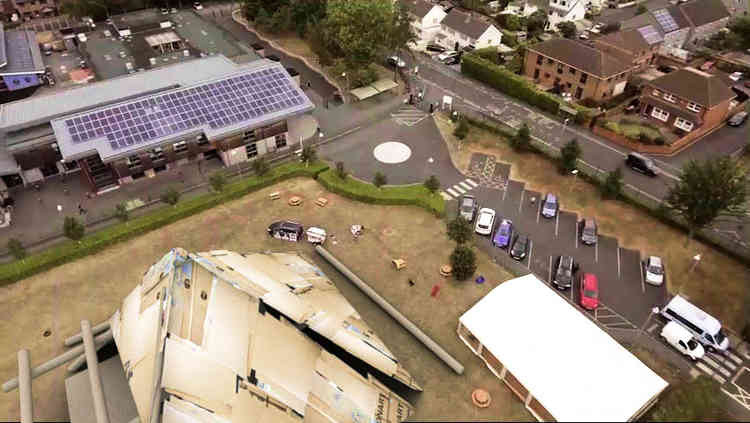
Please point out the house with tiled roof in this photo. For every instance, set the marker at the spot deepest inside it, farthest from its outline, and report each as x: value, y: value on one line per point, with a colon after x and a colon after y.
x: 425, y: 19
x: 707, y: 17
x: 687, y: 99
x: 576, y: 68
x: 637, y: 46
x: 460, y: 29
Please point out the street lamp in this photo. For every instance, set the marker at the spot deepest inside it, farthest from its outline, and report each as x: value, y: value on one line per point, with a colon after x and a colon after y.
x: 344, y: 75
x: 654, y: 311
x: 565, y: 125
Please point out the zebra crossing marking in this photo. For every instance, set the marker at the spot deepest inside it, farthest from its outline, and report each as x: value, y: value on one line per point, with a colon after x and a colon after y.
x: 465, y: 185
x: 459, y: 189
x: 472, y: 183
x: 451, y: 192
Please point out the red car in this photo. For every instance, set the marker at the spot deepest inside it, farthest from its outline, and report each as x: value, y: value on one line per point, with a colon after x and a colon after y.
x: 589, y: 289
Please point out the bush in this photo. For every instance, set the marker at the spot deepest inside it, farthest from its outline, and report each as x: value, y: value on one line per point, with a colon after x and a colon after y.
x: 73, y: 229
x: 341, y: 170
x: 462, y: 129
x: 171, y: 196
x: 460, y: 230
x: 612, y: 186
x: 522, y: 140
x: 567, y: 29
x: 569, y: 155
x: 432, y: 184
x: 121, y: 212
x: 260, y: 166
x: 464, y: 262
x: 308, y: 155
x: 218, y: 181
x: 613, y: 126
x: 379, y: 180
x: 16, y: 249
x: 660, y: 140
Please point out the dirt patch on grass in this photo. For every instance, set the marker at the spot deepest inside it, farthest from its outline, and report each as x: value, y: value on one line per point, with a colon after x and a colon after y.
x: 633, y: 227
x: 93, y: 287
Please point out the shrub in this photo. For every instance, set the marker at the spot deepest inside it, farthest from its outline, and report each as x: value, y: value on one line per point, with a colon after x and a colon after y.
x: 308, y: 155
x: 522, y: 140
x: 462, y: 129
x: 121, y: 212
x: 460, y: 230
x: 613, y: 126
x: 341, y: 170
x: 260, y: 166
x: 464, y: 262
x: 379, y: 180
x: 16, y: 249
x: 432, y: 184
x: 660, y: 140
x: 569, y: 155
x: 171, y: 196
x: 612, y: 186
x: 73, y: 229
x: 218, y: 181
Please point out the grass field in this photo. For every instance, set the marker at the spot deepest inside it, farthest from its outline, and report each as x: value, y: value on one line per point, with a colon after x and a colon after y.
x: 93, y: 287
x: 718, y: 284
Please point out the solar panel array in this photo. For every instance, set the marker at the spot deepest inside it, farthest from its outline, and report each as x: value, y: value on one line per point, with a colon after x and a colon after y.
x: 650, y: 34
x: 242, y: 98
x: 666, y: 21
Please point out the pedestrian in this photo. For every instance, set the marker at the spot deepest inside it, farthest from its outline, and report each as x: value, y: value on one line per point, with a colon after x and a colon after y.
x: 80, y: 209
x: 309, y: 84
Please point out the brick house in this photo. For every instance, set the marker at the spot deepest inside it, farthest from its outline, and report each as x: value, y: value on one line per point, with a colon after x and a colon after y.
x: 637, y: 46
x: 576, y: 68
x: 687, y: 99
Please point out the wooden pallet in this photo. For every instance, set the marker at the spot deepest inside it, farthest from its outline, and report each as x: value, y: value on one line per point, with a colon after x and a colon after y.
x: 322, y: 202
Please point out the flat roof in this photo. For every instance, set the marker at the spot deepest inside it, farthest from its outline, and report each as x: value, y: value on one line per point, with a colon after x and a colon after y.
x: 22, y: 54
x: 570, y: 365
x: 162, y: 38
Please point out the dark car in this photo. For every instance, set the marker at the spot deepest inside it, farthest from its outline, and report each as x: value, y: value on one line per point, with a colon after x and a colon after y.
x: 467, y: 208
x: 273, y: 58
x: 589, y: 231
x: 286, y: 230
x: 436, y: 48
x: 633, y: 105
x: 641, y: 164
x: 565, y: 268
x: 550, y: 205
x: 665, y: 69
x: 520, y: 247
x: 738, y: 119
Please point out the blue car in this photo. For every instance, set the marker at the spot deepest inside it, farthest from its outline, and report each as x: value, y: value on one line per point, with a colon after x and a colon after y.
x: 504, y: 234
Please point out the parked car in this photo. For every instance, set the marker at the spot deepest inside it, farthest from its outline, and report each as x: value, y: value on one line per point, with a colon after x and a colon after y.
x: 520, y: 247
x: 738, y: 119
x: 468, y: 48
x: 583, y: 36
x: 82, y: 64
x: 682, y: 340
x: 174, y: 10
x: 485, y: 221
x: 589, y: 290
x: 504, y: 234
x: 641, y: 164
x: 447, y: 55
x: 565, y: 268
x: 197, y: 6
x: 467, y: 208
x: 550, y: 206
x: 589, y: 231
x: 654, y: 270
x: 396, y: 61
x: 665, y: 69
x: 164, y: 11
x: 735, y: 76
x: 453, y: 60
x: 286, y: 230
x: 273, y: 58
x: 436, y: 48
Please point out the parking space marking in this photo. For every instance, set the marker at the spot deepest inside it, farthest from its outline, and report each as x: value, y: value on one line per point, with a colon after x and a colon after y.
x: 445, y: 196
x: 505, y: 191
x: 557, y: 222
x: 652, y: 327
x: 465, y: 185
x: 734, y: 357
x: 640, y: 265
x: 520, y: 204
x: 539, y: 212
x: 472, y: 183
x: 459, y: 189
x: 706, y: 359
x: 705, y: 368
x: 549, y: 279
x: 576, y: 235
x: 451, y: 192
x: 531, y: 250
x: 596, y: 252
x: 724, y: 361
x: 719, y: 379
x: 618, y: 262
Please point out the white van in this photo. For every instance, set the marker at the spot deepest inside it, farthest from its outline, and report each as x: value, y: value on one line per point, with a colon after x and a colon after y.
x: 705, y: 328
x: 682, y: 340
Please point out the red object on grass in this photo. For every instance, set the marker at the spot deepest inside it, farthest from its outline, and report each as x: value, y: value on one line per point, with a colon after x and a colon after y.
x: 435, y: 290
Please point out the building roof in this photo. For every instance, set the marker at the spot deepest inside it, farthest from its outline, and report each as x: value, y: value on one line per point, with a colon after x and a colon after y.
x: 605, y: 383
x: 670, y: 19
x: 230, y: 337
x: 22, y: 54
x: 702, y: 12
x: 420, y: 8
x: 581, y: 56
x: 162, y: 38
x: 691, y: 84
x: 630, y: 40
x: 464, y: 23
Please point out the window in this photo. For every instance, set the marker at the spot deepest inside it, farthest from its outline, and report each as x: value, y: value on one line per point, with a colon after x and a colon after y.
x: 248, y: 136
x: 180, y: 147
x: 584, y: 78
x: 563, y: 3
x: 133, y: 161
x: 156, y: 154
x: 280, y: 140
x: 660, y: 114
x: 202, y: 140
x: 539, y: 60
x: 572, y: 70
x: 251, y: 150
x: 669, y: 97
x: 683, y: 124
x: 694, y: 107
x: 579, y: 92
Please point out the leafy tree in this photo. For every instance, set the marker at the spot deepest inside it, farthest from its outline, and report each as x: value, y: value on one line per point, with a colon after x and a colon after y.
x: 379, y: 180
x: 741, y: 28
x: 73, y: 229
x: 535, y: 22
x: 513, y: 23
x: 121, y: 212
x: 522, y: 140
x: 171, y: 196
x: 308, y: 155
x: 400, y: 32
x: 218, y: 181
x: 612, y: 187
x: 567, y: 29
x: 305, y: 11
x: 460, y: 230
x: 341, y: 170
x: 260, y: 166
x: 432, y: 184
x: 464, y: 262
x: 252, y: 8
x: 16, y: 249
x: 706, y: 190
x: 318, y: 42
x: 641, y: 9
x: 462, y: 129
x: 569, y: 155
x: 281, y: 20
x: 358, y: 29
x: 697, y: 400
x: 263, y: 19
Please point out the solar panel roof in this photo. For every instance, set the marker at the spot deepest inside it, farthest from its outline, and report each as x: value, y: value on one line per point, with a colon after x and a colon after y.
x: 650, y: 34
x: 247, y: 99
x: 665, y: 20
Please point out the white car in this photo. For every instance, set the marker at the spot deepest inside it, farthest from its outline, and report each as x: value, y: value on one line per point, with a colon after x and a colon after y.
x: 485, y: 221
x: 735, y: 76
x: 654, y: 270
x: 396, y: 61
x: 682, y: 340
x: 197, y: 6
x: 447, y: 55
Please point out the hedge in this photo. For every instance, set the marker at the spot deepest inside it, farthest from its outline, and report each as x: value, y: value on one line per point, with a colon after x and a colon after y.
x: 416, y: 195
x: 95, y: 242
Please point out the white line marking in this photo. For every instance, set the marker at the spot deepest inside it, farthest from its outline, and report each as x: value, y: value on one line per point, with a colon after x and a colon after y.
x: 651, y: 329
x: 445, y: 196
x: 505, y: 191
x: 618, y: 262
x: 451, y: 192
x: 640, y: 266
x: 538, y: 212
x: 549, y: 279
x: 459, y: 189
x: 465, y: 185
x: 720, y: 379
x: 596, y: 252
x: 704, y: 368
x: 531, y: 250
x: 706, y: 359
x: 557, y: 222
x: 472, y: 183
x: 520, y: 204
x: 572, y: 287
x: 576, y: 234
x: 734, y: 357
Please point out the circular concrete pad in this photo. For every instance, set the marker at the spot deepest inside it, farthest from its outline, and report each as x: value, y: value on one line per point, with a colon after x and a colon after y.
x: 392, y: 152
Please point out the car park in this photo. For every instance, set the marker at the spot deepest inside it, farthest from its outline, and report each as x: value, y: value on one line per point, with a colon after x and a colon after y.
x: 520, y: 247
x: 550, y: 206
x: 565, y: 268
x: 447, y: 55
x: 682, y: 340
x: 485, y: 221
x: 642, y: 164
x: 738, y: 119
x: 396, y: 61
x: 589, y: 290
x: 654, y: 271
x: 504, y: 234
x: 589, y: 231
x: 436, y: 48
x: 467, y: 208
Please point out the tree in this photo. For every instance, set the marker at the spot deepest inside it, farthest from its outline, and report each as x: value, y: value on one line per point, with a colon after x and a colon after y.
x: 567, y: 29
x: 612, y: 186
x: 460, y: 230
x: 513, y: 23
x: 263, y: 19
x: 462, y: 129
x: 741, y: 28
x: 252, y: 8
x: 260, y: 166
x: 308, y: 154
x: 536, y: 22
x: 358, y: 30
x: 641, y: 9
x: 171, y: 196
x: 464, y: 262
x: 697, y: 400
x: 706, y: 190
x: 16, y: 249
x: 379, y: 180
x: 218, y: 181
x: 432, y: 184
x: 121, y: 212
x: 73, y: 229
x: 522, y: 140
x: 569, y: 155
x: 341, y: 170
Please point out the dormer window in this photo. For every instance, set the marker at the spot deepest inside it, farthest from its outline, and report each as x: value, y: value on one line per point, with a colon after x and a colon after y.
x: 669, y: 97
x: 694, y: 107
